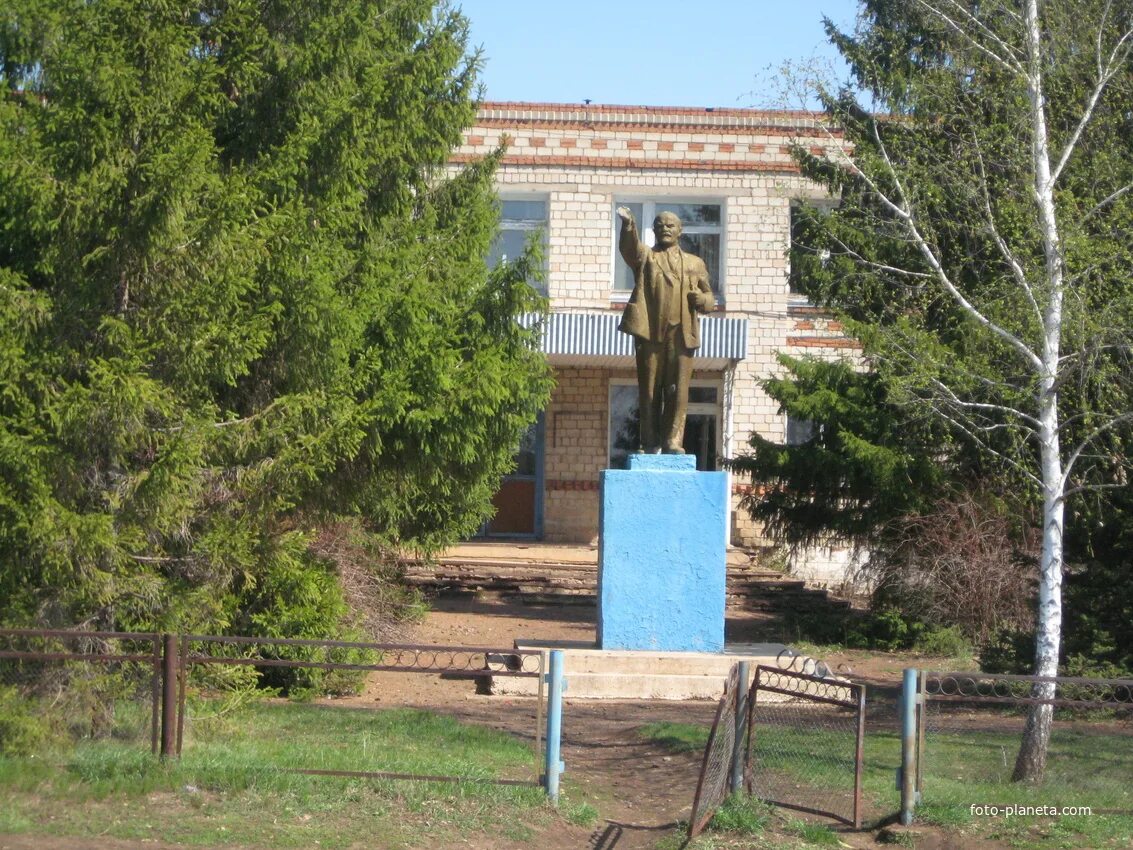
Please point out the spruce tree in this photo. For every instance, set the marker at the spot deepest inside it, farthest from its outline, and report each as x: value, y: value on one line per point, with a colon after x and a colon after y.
x: 242, y: 296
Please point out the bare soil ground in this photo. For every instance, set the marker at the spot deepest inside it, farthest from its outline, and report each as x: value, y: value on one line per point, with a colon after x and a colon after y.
x: 640, y: 791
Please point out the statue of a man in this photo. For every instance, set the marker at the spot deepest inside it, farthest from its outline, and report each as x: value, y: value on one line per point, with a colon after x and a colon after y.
x: 669, y: 287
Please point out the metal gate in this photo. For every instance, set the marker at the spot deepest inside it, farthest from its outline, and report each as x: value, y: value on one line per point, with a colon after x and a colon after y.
x: 719, y: 753
x: 804, y: 743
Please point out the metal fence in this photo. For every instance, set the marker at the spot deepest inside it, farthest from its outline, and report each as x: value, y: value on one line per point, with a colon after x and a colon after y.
x: 971, y: 726
x: 717, y: 766
x: 806, y: 743
x: 87, y: 685
x: 792, y: 738
x: 295, y: 664
x: 184, y: 692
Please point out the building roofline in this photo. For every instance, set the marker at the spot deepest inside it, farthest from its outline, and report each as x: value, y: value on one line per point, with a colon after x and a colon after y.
x: 654, y: 116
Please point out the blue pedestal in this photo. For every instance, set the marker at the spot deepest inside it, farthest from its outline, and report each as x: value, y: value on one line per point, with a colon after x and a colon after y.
x: 661, y: 556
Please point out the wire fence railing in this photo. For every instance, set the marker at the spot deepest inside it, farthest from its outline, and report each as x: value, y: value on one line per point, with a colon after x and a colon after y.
x: 219, y: 698
x: 74, y: 686
x: 971, y: 730
x: 325, y: 742
x: 791, y: 738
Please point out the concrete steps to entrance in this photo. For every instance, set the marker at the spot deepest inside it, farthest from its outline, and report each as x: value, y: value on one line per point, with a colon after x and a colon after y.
x: 541, y: 573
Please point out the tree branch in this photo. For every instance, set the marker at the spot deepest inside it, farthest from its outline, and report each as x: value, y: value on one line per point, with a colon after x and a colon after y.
x: 1117, y: 57
x: 1012, y: 64
x: 1106, y: 200
x: 1001, y: 243
x: 1088, y: 440
x: 979, y: 441
x: 903, y: 211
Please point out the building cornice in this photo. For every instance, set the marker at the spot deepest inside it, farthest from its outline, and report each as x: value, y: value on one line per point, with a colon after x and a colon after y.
x: 664, y: 118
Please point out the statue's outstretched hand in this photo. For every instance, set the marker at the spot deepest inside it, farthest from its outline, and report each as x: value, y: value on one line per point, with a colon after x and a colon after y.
x: 624, y: 214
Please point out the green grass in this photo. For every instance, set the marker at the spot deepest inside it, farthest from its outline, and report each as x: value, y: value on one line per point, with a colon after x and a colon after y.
x: 743, y: 814
x: 1087, y: 766
x: 231, y: 787
x: 675, y: 737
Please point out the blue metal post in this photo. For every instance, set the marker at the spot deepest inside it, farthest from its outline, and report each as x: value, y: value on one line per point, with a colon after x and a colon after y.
x: 739, y: 750
x: 908, y: 771
x: 554, y: 764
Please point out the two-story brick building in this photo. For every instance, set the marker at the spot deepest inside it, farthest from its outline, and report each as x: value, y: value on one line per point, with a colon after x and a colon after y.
x: 728, y: 174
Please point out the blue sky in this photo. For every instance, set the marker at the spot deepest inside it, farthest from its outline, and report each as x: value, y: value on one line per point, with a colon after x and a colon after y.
x: 721, y: 53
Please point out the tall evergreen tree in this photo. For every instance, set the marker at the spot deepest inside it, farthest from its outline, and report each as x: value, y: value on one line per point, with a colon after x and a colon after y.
x: 981, y: 250
x: 241, y: 295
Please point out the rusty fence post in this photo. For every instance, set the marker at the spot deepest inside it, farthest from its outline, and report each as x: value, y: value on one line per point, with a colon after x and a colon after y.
x: 169, y: 670
x: 155, y: 695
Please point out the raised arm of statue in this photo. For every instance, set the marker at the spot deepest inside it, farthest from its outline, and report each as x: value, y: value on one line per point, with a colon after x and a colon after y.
x: 629, y: 243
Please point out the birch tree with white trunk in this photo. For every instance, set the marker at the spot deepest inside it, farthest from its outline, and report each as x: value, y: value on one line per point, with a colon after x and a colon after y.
x: 986, y: 184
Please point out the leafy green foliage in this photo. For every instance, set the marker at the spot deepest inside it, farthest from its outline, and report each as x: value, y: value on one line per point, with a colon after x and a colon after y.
x: 944, y: 188
x: 889, y: 630
x: 240, y: 297
x: 23, y: 727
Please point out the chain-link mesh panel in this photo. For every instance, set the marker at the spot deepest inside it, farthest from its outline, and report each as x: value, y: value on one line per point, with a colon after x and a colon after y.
x: 226, y: 707
x: 66, y: 687
x: 805, y: 743
x: 716, y: 768
x: 972, y: 729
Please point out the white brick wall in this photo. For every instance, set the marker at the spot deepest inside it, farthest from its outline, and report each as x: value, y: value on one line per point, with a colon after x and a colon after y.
x: 582, y: 158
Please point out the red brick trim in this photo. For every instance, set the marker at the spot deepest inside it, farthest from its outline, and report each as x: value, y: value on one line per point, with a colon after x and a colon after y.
x: 749, y: 489
x: 572, y: 486
x: 822, y: 342
x: 651, y: 164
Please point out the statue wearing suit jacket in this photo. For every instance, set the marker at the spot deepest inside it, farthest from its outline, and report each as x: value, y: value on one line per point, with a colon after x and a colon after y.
x: 670, y: 287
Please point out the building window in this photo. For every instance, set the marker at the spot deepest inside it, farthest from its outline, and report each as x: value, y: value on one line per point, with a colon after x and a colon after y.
x: 702, y: 425
x: 519, y: 219
x: 794, y: 278
x: 800, y: 431
x: 702, y: 233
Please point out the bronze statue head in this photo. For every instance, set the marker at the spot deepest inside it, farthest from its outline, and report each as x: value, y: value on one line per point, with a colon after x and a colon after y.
x: 666, y: 230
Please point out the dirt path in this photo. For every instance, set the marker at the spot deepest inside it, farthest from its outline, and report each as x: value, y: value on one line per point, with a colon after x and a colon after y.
x: 640, y: 791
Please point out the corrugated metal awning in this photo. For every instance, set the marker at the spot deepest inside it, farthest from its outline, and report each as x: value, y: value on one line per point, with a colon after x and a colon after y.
x: 580, y: 338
